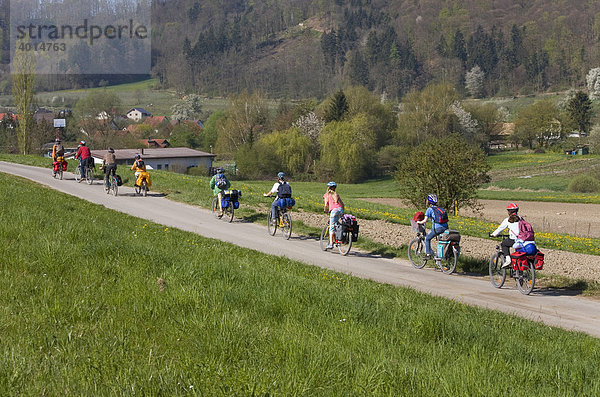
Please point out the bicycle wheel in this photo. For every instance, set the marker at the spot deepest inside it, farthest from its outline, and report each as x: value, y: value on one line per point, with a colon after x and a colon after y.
x: 525, y: 280
x: 144, y: 188
x: 215, y: 207
x: 271, y: 227
x: 287, y: 226
x: 60, y: 173
x: 324, y: 240
x: 54, y: 174
x: 115, y: 187
x: 497, y: 274
x: 228, y: 212
x: 77, y: 174
x: 416, y: 253
x: 89, y: 176
x: 448, y: 263
x: 344, y: 247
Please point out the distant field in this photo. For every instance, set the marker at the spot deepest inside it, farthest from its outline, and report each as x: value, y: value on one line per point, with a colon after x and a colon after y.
x: 96, y: 302
x: 138, y: 94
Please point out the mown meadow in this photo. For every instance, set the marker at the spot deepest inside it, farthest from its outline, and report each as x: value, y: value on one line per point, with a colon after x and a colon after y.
x: 95, y: 302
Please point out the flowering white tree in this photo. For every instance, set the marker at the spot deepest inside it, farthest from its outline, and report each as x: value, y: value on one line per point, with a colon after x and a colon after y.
x: 474, y: 81
x: 310, y: 125
x: 466, y: 121
x: 593, y: 83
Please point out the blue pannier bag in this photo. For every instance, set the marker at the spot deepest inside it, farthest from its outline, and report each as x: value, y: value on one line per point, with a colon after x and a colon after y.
x: 225, y: 203
x: 286, y: 202
x: 236, y: 205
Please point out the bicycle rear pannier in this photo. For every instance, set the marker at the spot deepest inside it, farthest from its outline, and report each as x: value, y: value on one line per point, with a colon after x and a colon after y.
x: 539, y: 261
x: 119, y: 180
x: 519, y: 261
x: 286, y: 202
x: 55, y: 166
x: 450, y: 235
x: 442, y: 247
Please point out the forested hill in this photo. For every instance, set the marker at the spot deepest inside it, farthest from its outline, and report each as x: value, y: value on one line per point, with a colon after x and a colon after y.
x: 302, y: 48
x: 310, y: 47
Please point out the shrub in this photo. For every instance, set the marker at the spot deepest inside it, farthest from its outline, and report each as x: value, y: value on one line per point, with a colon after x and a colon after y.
x: 584, y: 184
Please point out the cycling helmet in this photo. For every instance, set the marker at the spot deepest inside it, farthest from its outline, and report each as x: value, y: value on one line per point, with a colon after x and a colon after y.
x: 220, y: 170
x: 281, y: 175
x: 137, y: 156
x: 111, y: 150
x: 512, y: 207
x: 332, y: 184
x: 57, y: 140
x: 82, y: 143
x: 432, y: 199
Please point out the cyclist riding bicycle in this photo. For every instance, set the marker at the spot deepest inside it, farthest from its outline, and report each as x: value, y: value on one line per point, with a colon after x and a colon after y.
x: 218, y: 183
x: 58, y: 152
x: 512, y: 223
x: 85, y: 158
x: 283, y: 190
x: 109, y: 164
x: 439, y: 222
x: 333, y: 202
x: 139, y: 166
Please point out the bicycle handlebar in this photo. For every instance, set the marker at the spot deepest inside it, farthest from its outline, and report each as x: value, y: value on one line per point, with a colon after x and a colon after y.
x: 500, y: 235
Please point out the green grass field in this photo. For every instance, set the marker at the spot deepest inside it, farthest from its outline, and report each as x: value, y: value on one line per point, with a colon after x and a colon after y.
x: 96, y: 302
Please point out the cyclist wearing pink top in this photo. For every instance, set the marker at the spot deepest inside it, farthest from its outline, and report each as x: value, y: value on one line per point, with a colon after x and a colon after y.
x: 334, y: 203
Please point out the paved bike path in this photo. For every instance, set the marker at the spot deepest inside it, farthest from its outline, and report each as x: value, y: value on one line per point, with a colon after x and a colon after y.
x: 550, y: 307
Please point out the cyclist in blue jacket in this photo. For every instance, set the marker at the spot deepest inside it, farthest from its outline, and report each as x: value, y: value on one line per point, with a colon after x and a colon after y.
x: 439, y: 222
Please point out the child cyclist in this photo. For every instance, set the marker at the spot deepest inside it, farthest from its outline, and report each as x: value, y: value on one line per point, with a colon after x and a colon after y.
x: 439, y: 222
x: 333, y: 202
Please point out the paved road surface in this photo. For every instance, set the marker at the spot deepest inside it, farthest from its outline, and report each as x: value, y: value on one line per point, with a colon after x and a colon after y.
x: 550, y: 307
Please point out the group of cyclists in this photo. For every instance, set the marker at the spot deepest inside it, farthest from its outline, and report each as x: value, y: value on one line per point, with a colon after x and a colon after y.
x: 515, y: 240
x: 109, y: 161
x: 332, y: 202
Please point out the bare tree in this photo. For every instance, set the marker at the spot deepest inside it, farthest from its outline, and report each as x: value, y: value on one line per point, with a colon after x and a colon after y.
x: 22, y: 88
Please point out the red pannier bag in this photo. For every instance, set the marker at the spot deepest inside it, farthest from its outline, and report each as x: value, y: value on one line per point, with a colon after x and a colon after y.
x: 55, y: 166
x: 539, y: 261
x: 519, y: 261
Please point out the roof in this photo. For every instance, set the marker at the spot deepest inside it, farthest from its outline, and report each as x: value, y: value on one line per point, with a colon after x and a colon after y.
x: 155, y: 120
x: 129, y: 154
x: 158, y: 142
x: 140, y: 110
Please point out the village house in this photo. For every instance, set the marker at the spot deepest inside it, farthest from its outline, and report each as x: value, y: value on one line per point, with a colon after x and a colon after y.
x: 178, y: 159
x: 136, y: 114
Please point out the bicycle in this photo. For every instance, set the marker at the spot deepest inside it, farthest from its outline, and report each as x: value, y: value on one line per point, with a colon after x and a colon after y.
x: 142, y: 189
x: 343, y: 241
x: 283, y: 221
x: 229, y: 203
x: 112, y: 185
x: 418, y: 258
x: 59, y: 169
x: 524, y: 276
x: 89, y: 174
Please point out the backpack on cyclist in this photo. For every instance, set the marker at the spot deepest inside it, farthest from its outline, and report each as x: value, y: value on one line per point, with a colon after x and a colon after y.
x: 439, y: 215
x: 525, y: 231
x: 284, y: 190
x: 221, y: 181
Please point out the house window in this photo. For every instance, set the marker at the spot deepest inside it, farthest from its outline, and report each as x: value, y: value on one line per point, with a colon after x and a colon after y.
x: 159, y: 166
x: 167, y: 167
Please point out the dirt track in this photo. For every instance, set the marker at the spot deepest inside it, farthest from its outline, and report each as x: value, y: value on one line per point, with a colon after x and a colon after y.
x: 581, y: 220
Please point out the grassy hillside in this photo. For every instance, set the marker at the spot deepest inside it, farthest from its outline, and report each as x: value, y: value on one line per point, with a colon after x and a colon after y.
x: 97, y: 302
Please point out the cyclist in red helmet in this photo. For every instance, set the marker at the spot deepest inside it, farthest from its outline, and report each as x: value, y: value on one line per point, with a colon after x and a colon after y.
x: 512, y: 223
